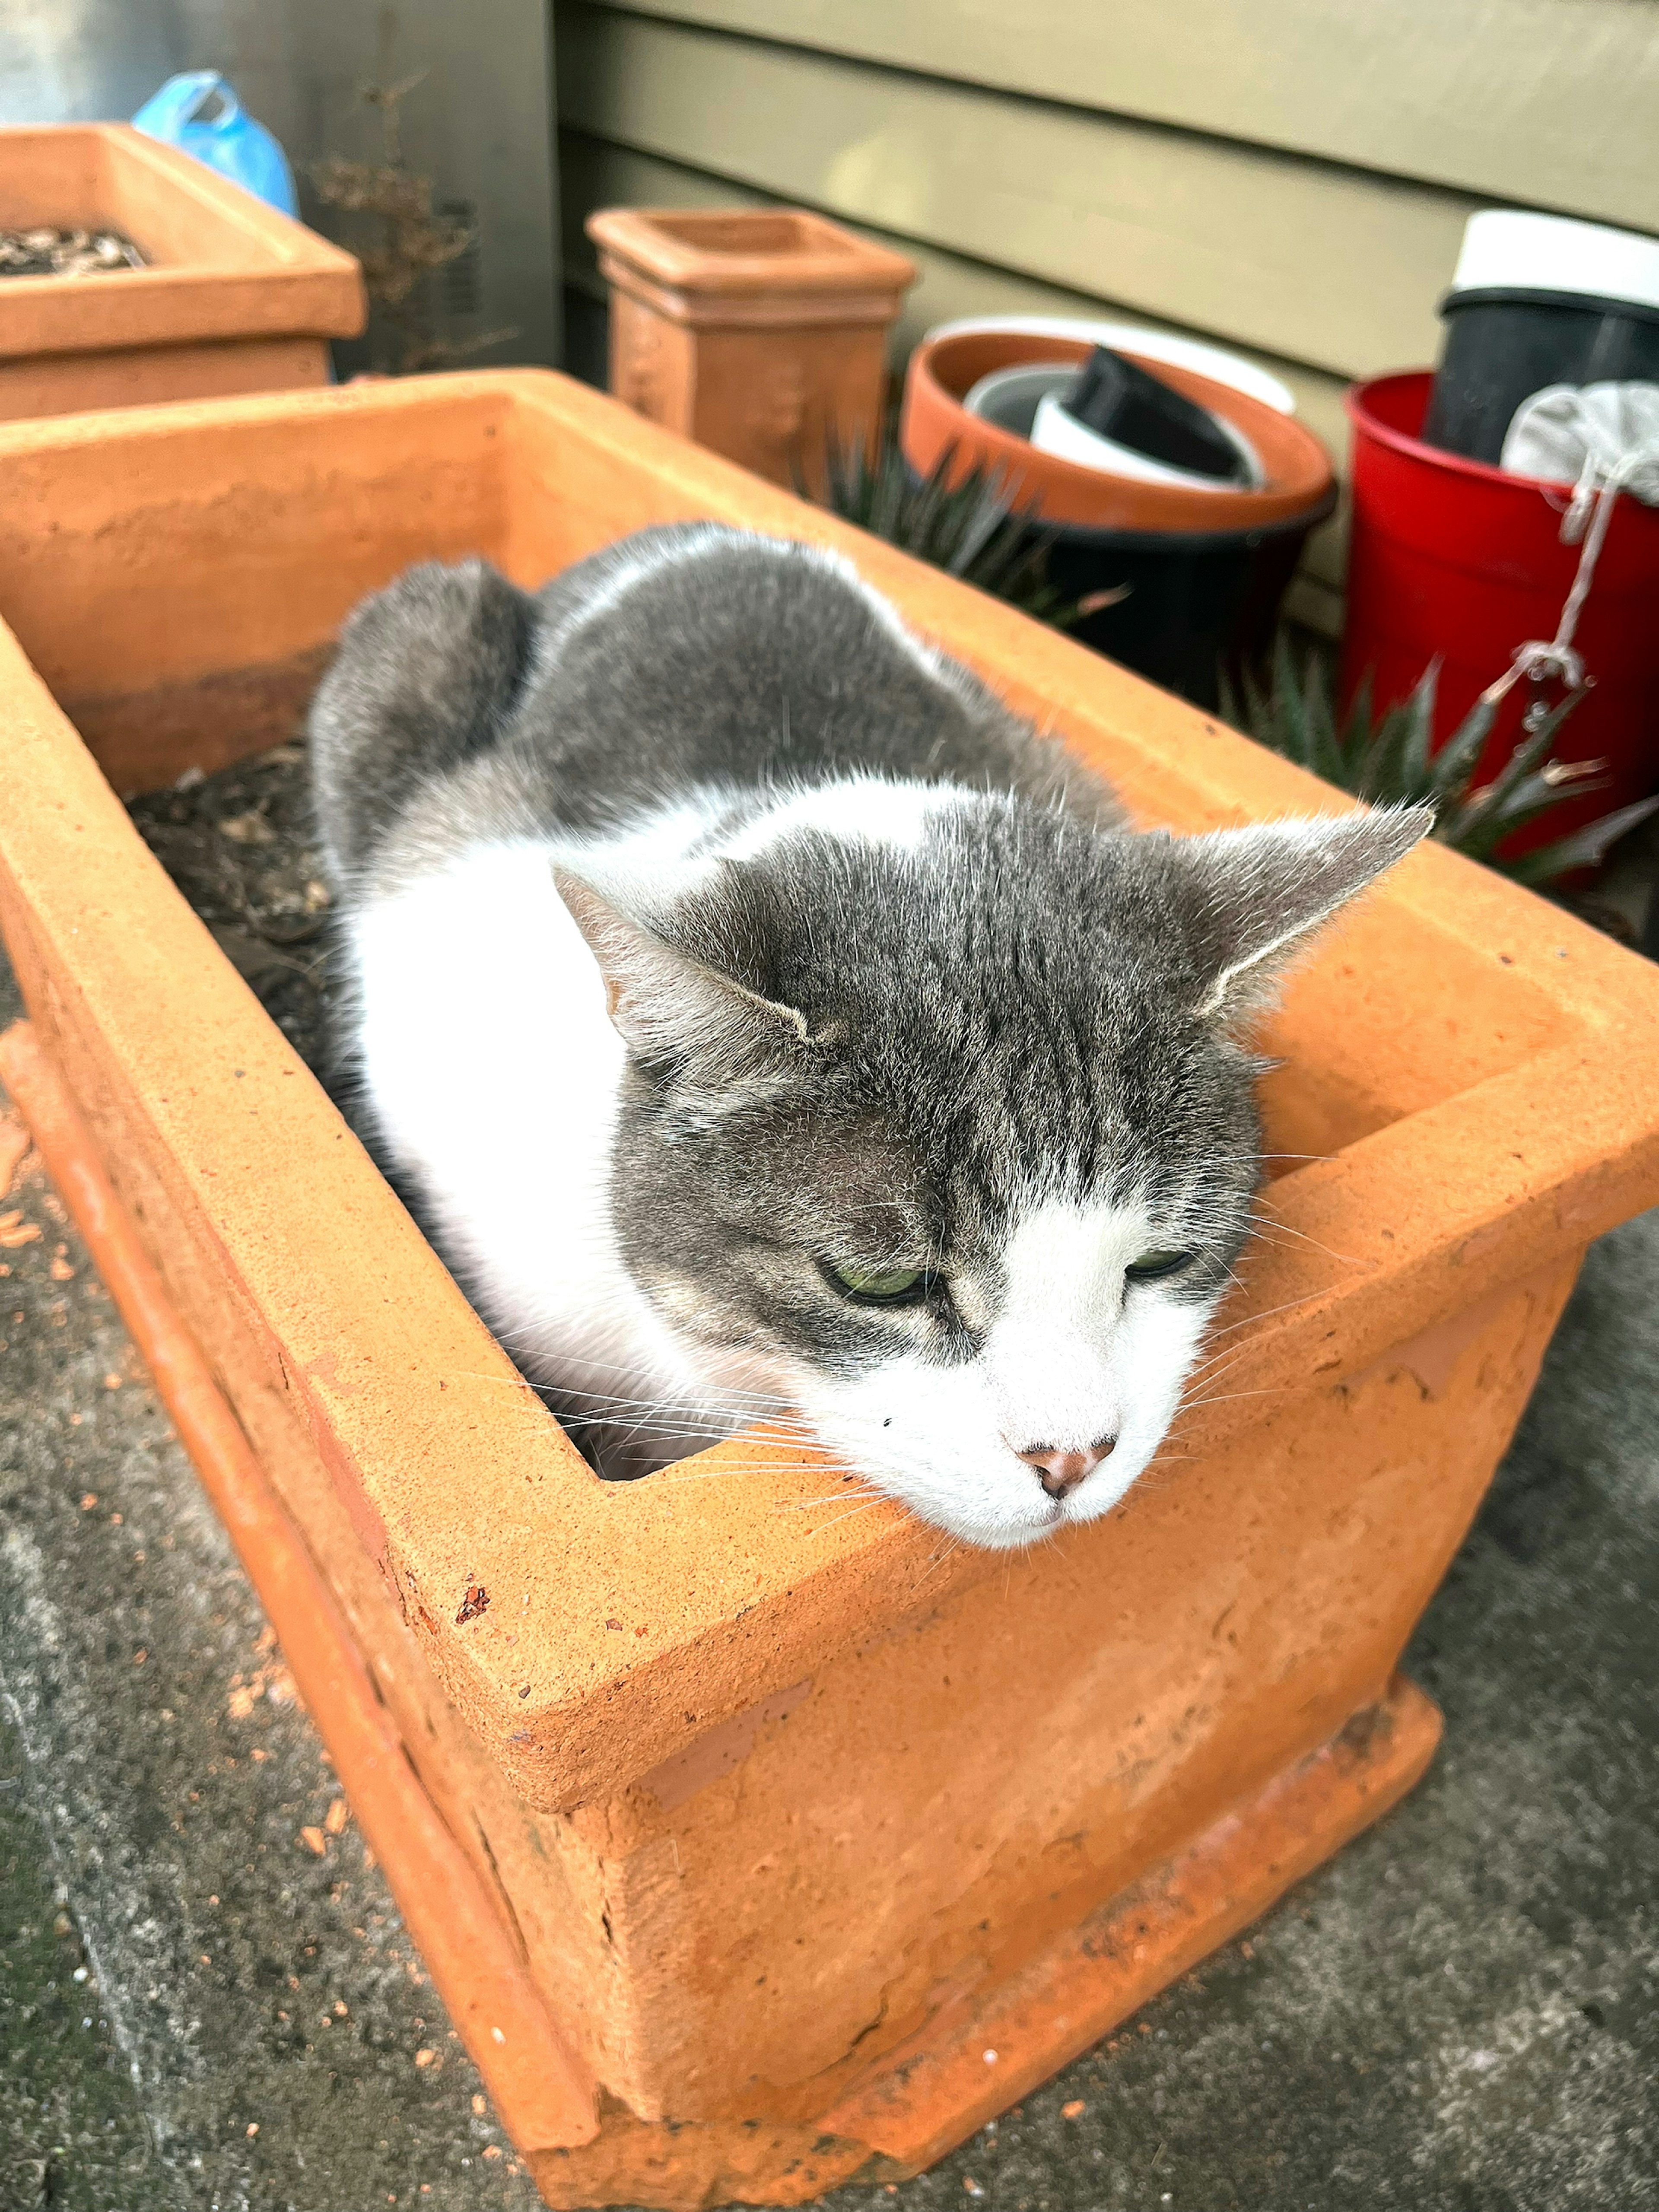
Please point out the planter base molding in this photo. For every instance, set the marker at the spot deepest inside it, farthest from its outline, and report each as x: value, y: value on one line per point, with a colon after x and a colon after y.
x: 982, y: 2049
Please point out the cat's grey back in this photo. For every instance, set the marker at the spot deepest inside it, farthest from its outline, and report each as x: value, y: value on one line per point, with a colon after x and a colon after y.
x: 425, y: 680
x: 684, y: 658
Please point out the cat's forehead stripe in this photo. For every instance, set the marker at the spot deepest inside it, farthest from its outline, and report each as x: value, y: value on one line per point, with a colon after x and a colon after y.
x: 884, y: 812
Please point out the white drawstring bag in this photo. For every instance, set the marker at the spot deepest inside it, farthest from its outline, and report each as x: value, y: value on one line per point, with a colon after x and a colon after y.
x: 1601, y: 438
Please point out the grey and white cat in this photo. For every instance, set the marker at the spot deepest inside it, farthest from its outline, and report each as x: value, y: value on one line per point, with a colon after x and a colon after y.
x: 762, y: 1018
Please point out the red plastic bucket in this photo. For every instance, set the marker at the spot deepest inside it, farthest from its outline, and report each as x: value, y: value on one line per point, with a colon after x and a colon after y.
x: 1453, y: 558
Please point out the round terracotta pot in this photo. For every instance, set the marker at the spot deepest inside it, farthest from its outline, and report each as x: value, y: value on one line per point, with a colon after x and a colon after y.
x: 1176, y: 584
x: 1297, y: 470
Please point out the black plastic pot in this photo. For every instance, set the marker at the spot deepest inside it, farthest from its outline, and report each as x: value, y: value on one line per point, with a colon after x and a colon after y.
x: 1184, y: 605
x: 1539, y: 300
x: 1181, y: 605
x: 1503, y: 345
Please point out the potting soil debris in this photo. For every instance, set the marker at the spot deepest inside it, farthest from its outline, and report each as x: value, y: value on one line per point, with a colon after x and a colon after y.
x: 242, y: 846
x: 47, y: 251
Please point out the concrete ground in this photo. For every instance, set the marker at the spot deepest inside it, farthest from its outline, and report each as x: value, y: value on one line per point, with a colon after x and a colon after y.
x: 196, y: 2010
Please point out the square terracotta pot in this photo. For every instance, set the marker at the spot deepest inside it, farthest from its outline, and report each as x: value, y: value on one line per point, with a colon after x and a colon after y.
x: 760, y: 332
x: 822, y: 1839
x: 235, y: 298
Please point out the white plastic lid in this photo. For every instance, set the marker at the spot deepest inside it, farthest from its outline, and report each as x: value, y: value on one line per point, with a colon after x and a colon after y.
x: 1505, y: 249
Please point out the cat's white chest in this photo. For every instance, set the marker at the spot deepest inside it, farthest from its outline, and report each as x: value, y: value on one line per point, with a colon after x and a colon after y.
x: 493, y: 1071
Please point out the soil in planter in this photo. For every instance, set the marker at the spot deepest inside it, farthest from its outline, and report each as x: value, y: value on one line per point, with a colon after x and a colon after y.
x: 47, y: 250
x: 242, y: 846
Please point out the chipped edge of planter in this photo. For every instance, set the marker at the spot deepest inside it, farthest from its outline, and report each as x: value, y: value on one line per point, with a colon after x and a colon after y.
x: 245, y: 271
x: 742, y: 1611
x: 974, y: 2059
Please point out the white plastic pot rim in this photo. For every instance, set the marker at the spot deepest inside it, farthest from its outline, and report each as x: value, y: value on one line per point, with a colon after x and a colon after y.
x: 1508, y: 249
x: 1229, y: 368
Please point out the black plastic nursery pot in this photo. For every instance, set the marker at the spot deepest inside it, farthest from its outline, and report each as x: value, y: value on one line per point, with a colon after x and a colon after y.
x: 1535, y: 301
x: 1503, y: 346
x: 1178, y: 607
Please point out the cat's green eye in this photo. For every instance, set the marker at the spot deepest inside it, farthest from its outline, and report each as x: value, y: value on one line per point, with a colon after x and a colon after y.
x: 877, y: 1286
x: 1153, y: 1267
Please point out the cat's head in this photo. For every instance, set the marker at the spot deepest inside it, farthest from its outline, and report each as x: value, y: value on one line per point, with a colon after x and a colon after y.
x: 952, y: 1133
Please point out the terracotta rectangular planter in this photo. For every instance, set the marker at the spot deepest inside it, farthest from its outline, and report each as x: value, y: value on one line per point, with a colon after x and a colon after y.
x: 235, y: 297
x: 759, y: 333
x: 821, y: 1840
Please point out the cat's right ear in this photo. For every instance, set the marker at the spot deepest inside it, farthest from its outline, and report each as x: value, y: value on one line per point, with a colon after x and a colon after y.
x: 672, y: 1010
x: 1250, y: 900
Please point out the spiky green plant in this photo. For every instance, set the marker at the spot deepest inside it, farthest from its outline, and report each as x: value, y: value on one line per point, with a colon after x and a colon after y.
x: 976, y: 529
x: 1389, y: 759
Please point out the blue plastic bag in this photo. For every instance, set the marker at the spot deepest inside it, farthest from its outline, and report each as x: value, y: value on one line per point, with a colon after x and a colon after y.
x: 232, y: 141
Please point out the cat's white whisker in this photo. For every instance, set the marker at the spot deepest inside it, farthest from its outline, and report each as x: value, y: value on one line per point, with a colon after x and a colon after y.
x: 1265, y: 1221
x: 1256, y: 1320
x: 939, y: 1558
x: 1228, y: 1397
x: 680, y: 1472
x: 1205, y: 1372
x: 825, y: 1526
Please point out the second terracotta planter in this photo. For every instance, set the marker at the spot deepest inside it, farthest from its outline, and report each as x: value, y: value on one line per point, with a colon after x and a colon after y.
x: 234, y: 297
x: 761, y: 334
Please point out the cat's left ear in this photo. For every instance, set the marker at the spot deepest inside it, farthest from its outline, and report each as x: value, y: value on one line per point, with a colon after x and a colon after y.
x: 1252, y: 899
x: 673, y: 1011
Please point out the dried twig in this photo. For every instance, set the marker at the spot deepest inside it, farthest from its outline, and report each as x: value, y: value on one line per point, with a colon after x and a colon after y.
x: 414, y: 240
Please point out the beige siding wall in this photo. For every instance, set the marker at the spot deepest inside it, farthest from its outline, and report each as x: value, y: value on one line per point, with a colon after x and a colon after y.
x: 1291, y: 176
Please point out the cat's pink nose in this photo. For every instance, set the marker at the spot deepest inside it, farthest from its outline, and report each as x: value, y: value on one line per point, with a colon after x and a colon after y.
x: 1061, y: 1472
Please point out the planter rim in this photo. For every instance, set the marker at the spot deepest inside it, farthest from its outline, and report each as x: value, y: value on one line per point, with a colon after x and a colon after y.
x: 772, y: 307
x: 1300, y: 480
x: 737, y: 1605
x: 1486, y: 500
x: 829, y: 259
x: 1565, y: 303
x: 1184, y: 542
x: 1146, y: 341
x: 258, y: 274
